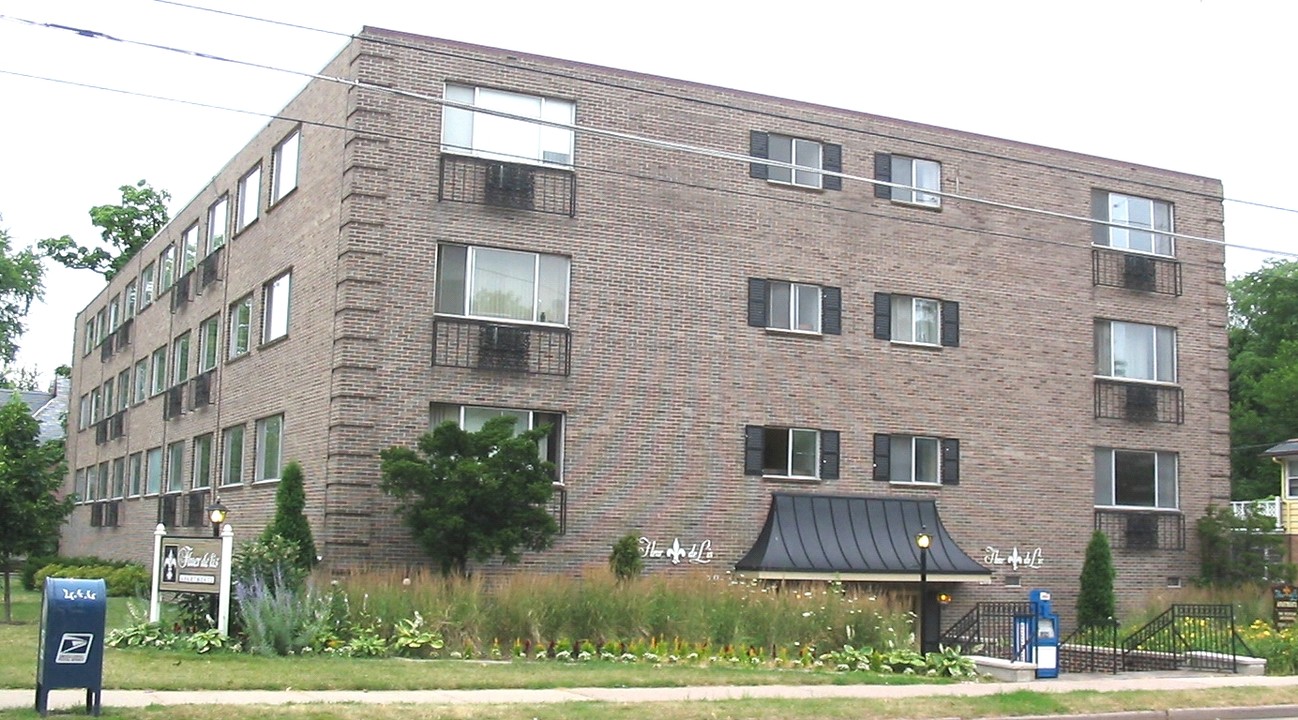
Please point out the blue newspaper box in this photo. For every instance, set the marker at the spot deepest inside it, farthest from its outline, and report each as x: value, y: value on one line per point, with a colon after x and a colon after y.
x: 70, y: 653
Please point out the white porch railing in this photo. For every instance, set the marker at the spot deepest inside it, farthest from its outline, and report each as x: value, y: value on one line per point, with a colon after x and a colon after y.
x: 1269, y: 507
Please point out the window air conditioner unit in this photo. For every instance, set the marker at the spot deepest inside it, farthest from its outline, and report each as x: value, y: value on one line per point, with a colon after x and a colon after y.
x: 510, y: 185
x: 1142, y: 403
x: 1138, y: 272
x: 1142, y: 531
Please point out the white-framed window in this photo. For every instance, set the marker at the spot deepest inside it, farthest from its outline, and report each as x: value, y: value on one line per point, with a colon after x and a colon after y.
x: 202, y: 465
x: 249, y: 199
x: 240, y: 327
x: 131, y: 297
x: 795, y: 453
x: 159, y: 370
x: 209, y: 339
x: 1145, y: 219
x: 275, y: 297
x: 189, y: 254
x: 166, y: 268
x: 119, y: 478
x: 102, y: 492
x: 101, y: 326
x: 79, y: 486
x: 88, y: 343
x: 123, y: 389
x: 283, y: 173
x: 114, y: 313
x: 218, y: 223
x: 180, y: 359
x: 1291, y: 478
x: 109, y: 405
x: 146, y: 286
x: 917, y: 176
x: 507, y: 138
x: 471, y: 418
x: 915, y: 459
x: 232, y: 455
x: 916, y: 320
x: 83, y: 413
x: 95, y: 407
x: 270, y: 441
x: 153, y: 471
x: 1135, y: 351
x: 485, y: 282
x: 807, y: 155
x: 176, y: 466
x: 141, y: 381
x: 136, y: 474
x: 793, y: 306
x: 1135, y: 478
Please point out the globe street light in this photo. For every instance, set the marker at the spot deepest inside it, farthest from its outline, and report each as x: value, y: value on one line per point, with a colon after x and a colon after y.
x: 922, y: 541
x: 216, y: 512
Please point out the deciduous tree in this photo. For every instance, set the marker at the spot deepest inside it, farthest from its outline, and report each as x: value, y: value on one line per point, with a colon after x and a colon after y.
x: 20, y: 284
x: 125, y: 229
x: 473, y: 495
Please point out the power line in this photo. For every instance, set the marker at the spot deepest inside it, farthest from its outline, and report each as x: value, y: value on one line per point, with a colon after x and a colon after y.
x: 632, y: 138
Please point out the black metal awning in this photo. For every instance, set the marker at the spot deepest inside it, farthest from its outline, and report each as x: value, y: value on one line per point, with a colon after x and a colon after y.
x: 1288, y: 447
x: 838, y: 537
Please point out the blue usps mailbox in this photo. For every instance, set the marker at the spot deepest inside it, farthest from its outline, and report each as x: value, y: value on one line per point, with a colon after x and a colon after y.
x: 70, y: 653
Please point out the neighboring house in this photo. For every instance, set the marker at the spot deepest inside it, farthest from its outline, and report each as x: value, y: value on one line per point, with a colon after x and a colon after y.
x: 47, y: 407
x: 1285, y: 455
x: 755, y: 364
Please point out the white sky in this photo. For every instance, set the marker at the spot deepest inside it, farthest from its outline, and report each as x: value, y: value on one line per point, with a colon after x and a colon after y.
x: 1193, y: 86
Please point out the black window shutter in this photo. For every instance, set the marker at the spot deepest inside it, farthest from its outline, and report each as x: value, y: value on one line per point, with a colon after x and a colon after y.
x: 757, y: 302
x: 882, y: 457
x: 1099, y: 211
x: 831, y: 159
x: 754, y: 445
x: 950, y: 324
x: 828, y: 454
x: 883, y: 171
x: 950, y: 461
x: 883, y: 316
x: 831, y: 311
x: 759, y: 146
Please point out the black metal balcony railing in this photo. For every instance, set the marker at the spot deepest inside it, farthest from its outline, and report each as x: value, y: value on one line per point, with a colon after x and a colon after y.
x: 1142, y: 529
x: 201, y: 395
x: 460, y: 342
x: 116, y: 425
x: 209, y: 270
x: 123, y: 334
x: 1145, y: 273
x: 1139, y: 402
x: 506, y: 184
x: 173, y: 404
x: 180, y: 292
x: 101, y: 432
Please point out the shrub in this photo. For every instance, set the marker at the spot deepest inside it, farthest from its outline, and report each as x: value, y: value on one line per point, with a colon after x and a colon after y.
x: 625, y: 560
x: 279, y: 619
x: 1095, y: 599
x: 120, y: 580
x: 264, y: 559
x: 290, y: 520
x: 36, y: 562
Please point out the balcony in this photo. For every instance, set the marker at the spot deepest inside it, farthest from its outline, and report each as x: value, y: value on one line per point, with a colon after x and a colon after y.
x: 1267, y: 508
x: 1142, y: 529
x: 1143, y: 273
x: 508, y: 185
x: 173, y: 404
x: 535, y: 349
x: 1139, y: 402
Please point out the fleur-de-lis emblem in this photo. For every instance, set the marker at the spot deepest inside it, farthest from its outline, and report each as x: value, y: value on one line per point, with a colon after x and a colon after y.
x: 676, y: 552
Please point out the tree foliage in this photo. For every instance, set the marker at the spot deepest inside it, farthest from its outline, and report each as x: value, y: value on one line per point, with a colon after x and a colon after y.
x: 473, y: 495
x: 21, y: 277
x: 30, y: 475
x: 625, y: 560
x: 20, y: 378
x: 1096, y: 602
x: 1236, y: 551
x: 290, y: 520
x: 125, y: 228
x: 1263, y: 374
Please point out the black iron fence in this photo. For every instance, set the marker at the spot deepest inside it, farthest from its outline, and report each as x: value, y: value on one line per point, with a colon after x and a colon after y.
x: 1133, y: 271
x: 1142, y: 529
x: 1091, y: 649
x: 1139, y: 402
x: 509, y: 185
x: 988, y: 630
x: 536, y: 349
x: 1189, y: 636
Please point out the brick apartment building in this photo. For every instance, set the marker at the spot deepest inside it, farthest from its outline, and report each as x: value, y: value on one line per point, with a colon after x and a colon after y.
x: 752, y: 356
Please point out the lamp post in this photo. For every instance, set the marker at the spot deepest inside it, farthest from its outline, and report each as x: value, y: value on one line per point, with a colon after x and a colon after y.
x: 922, y: 541
x: 216, y: 512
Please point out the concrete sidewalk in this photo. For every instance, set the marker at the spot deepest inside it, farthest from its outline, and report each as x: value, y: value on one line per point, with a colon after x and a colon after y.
x: 1100, y: 683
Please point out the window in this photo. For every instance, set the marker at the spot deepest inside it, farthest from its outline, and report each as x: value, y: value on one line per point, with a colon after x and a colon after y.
x: 249, y: 199
x: 189, y: 253
x: 506, y: 284
x: 90, y: 482
x: 101, y: 326
x: 1291, y: 478
x: 114, y: 313
x: 472, y: 418
x: 791, y: 452
x: 94, y: 406
x: 124, y: 389
x: 141, y: 381
x: 240, y: 322
x: 119, y: 478
x: 146, y: 286
x: 136, y: 473
x: 283, y: 173
x: 916, y: 459
x: 102, y: 491
x: 159, y: 370
x: 202, y: 461
x: 923, y: 321
x: 1145, y: 219
x: 1135, y: 351
x: 1131, y: 478
x: 131, y: 297
x: 89, y: 342
x: 218, y: 220
x: 109, y: 405
x: 83, y: 413
x: 153, y: 471
x: 913, y: 175
x: 180, y: 359
x: 166, y: 268
x: 232, y: 455
x: 807, y: 156
x: 209, y: 333
x: 270, y: 437
x: 793, y: 306
x: 275, y: 297
x: 176, y: 466
x: 514, y: 140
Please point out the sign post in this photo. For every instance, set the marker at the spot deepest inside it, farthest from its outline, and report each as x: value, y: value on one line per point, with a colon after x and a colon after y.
x: 186, y: 564
x: 1286, y: 605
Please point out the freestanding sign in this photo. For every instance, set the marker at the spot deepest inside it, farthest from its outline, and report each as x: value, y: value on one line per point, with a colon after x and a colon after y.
x: 70, y: 651
x: 192, y: 565
x: 1286, y: 605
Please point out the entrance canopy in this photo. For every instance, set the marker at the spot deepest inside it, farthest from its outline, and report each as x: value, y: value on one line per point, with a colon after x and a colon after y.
x: 847, y: 537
